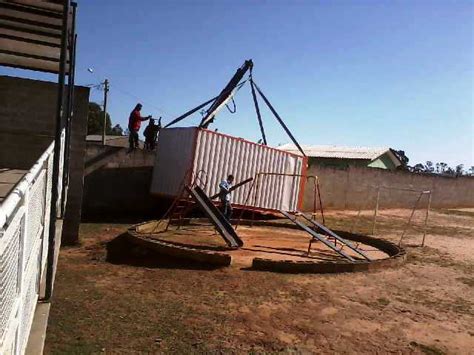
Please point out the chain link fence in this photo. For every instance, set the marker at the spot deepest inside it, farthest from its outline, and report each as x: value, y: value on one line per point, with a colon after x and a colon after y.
x: 24, y: 233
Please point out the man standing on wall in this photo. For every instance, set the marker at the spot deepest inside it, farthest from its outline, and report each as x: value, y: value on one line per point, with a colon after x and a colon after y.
x: 224, y: 196
x: 151, y: 133
x: 134, y: 122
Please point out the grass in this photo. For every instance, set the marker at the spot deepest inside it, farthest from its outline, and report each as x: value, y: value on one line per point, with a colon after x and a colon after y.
x: 454, y: 212
x: 427, y: 349
x: 162, y: 310
x: 166, y: 307
x: 429, y: 255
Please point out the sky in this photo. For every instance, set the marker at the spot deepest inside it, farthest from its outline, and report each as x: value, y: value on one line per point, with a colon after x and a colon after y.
x: 351, y: 73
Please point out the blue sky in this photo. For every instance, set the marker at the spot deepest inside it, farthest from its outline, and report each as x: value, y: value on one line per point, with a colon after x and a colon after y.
x: 355, y: 73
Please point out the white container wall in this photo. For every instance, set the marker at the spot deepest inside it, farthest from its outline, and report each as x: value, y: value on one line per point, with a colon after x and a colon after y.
x: 190, y: 152
x: 174, y: 157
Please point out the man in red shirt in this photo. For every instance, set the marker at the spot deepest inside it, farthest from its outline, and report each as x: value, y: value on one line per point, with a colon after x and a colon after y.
x: 134, y: 123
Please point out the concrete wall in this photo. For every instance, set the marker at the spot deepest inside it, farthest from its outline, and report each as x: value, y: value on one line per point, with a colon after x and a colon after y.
x: 117, y: 184
x: 354, y: 187
x: 27, y: 126
x: 72, y: 217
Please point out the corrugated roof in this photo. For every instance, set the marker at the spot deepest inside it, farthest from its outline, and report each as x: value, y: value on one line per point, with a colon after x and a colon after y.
x: 337, y: 152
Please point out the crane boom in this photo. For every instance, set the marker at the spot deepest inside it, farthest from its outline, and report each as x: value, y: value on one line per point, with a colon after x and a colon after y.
x: 226, y: 94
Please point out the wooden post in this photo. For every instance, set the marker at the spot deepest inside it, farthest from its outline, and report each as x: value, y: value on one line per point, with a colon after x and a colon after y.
x: 411, y: 217
x: 255, y: 200
x: 376, y: 211
x: 320, y: 200
x: 363, y: 206
x: 315, y: 204
x: 356, y: 222
x: 106, y: 90
x: 426, y: 219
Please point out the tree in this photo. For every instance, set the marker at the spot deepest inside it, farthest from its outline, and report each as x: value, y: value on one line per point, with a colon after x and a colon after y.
x: 117, y: 131
x: 403, y: 159
x: 459, y: 169
x: 418, y: 168
x: 429, y: 168
x: 442, y: 167
x: 95, y: 120
x: 449, y: 171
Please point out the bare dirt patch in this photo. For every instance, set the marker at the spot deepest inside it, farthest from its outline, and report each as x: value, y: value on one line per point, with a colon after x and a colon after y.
x: 425, y: 306
x: 269, y: 242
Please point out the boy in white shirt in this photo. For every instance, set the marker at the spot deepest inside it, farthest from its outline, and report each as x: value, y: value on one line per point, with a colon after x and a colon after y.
x: 224, y: 196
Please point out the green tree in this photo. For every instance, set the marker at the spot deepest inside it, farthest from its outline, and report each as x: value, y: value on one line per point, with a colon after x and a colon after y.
x: 95, y: 120
x: 117, y: 131
x: 403, y: 159
x: 429, y: 168
x: 418, y: 168
x: 449, y: 171
x: 442, y: 167
x: 460, y: 169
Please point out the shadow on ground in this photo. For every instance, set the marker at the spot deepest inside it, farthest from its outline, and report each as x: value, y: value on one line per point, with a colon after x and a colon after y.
x: 121, y: 251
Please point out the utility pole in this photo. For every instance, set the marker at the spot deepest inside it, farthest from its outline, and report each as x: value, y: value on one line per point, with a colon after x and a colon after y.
x: 106, y: 90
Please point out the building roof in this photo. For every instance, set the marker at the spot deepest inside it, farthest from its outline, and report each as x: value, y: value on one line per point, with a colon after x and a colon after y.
x: 339, y: 152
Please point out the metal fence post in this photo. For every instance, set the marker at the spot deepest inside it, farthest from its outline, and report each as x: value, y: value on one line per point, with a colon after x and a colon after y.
x: 411, y: 217
x: 376, y: 211
x: 426, y: 219
x: 57, y: 153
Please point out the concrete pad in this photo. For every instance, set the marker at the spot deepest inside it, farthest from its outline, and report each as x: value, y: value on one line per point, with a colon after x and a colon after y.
x: 37, y: 336
x: 8, y: 179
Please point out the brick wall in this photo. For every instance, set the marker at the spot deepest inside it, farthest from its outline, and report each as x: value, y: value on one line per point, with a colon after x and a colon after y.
x: 353, y: 187
x: 117, y: 184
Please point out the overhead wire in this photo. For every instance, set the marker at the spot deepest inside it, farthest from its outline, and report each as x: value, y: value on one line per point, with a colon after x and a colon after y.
x: 230, y: 93
x: 143, y: 101
x: 124, y: 92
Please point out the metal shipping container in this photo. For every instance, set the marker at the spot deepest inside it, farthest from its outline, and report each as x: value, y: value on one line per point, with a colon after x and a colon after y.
x: 184, y: 154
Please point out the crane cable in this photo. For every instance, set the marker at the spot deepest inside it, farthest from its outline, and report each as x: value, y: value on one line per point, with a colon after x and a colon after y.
x: 235, y: 107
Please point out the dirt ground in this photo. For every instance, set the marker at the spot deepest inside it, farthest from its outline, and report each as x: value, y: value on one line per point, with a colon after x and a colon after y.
x: 262, y: 242
x: 425, y: 306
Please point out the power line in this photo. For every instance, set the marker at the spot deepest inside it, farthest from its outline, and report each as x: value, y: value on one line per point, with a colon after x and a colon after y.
x: 99, y: 87
x: 143, y: 101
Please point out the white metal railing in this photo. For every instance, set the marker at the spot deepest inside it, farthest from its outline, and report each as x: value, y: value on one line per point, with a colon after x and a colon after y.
x: 24, y: 233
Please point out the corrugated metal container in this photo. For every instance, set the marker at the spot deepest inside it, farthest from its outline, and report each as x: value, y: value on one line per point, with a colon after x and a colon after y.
x: 191, y: 152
